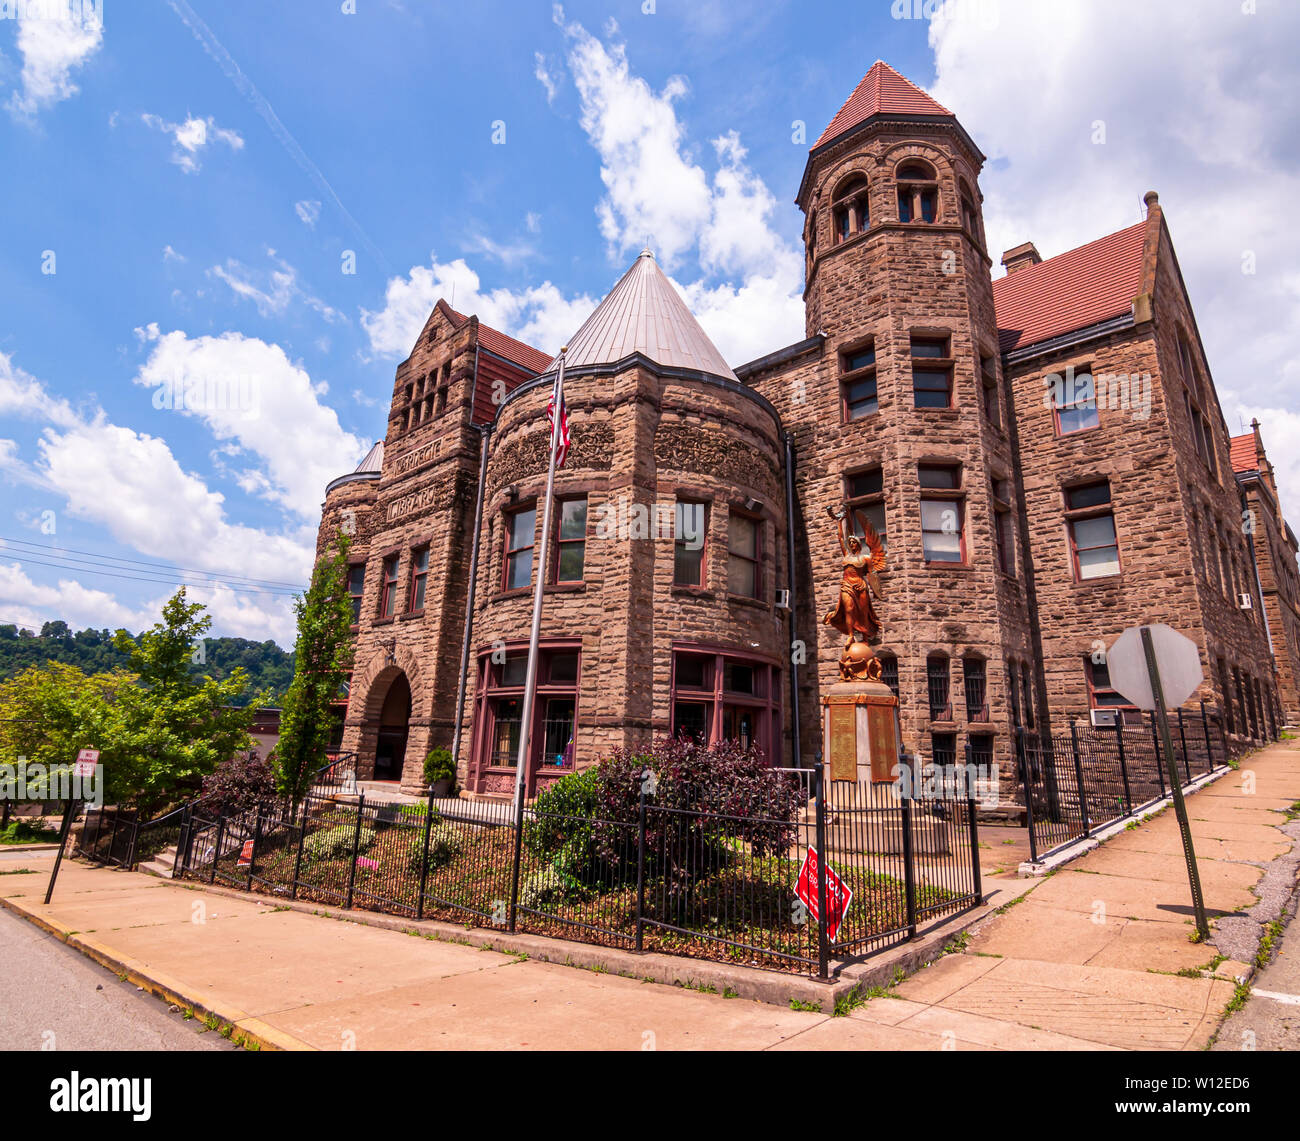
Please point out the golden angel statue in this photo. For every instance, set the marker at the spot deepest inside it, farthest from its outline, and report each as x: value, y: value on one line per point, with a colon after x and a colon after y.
x: 855, y: 613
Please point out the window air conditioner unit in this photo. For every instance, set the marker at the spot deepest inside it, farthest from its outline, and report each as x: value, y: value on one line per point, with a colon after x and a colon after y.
x: 783, y: 599
x: 1105, y: 718
x: 1245, y: 601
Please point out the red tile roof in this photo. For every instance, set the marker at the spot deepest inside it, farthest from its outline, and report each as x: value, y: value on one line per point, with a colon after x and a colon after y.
x: 882, y: 91
x: 498, y: 342
x: 1244, y: 456
x: 1070, y: 291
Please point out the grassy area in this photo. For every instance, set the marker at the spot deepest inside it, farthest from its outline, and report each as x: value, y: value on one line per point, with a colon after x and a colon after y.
x: 25, y: 832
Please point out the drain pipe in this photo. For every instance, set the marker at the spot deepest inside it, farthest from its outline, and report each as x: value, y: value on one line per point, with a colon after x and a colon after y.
x: 796, y: 754
x: 485, y: 432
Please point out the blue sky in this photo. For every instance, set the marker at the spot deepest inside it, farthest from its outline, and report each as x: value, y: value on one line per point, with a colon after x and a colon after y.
x: 196, y: 174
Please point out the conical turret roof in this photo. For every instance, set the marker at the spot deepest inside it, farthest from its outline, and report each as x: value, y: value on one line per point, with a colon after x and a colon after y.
x: 644, y: 314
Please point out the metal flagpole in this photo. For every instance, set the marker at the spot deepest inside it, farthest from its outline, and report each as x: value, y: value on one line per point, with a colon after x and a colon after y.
x: 530, y: 680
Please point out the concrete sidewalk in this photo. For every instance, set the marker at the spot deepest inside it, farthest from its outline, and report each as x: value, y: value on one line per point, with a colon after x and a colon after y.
x: 1088, y: 958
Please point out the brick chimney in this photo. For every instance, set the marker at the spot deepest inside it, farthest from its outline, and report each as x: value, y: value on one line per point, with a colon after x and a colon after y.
x: 1021, y: 257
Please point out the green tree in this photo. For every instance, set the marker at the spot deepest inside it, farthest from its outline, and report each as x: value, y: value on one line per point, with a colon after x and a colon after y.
x: 321, y: 655
x: 175, y: 728
x: 48, y: 713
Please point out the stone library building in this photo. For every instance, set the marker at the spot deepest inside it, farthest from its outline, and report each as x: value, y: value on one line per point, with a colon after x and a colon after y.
x: 1044, y: 457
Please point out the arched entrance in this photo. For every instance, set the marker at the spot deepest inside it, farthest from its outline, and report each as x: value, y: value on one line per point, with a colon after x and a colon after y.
x: 394, y: 719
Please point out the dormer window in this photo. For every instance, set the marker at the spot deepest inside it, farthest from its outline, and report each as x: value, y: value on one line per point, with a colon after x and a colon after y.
x: 850, y: 210
x: 918, y: 192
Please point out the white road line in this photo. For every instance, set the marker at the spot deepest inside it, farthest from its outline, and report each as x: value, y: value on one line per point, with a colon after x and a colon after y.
x: 1276, y: 996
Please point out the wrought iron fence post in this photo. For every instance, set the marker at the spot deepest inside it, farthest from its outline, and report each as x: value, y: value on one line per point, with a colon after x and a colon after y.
x: 514, y: 867
x: 640, y: 869
x: 181, y: 840
x: 216, y: 852
x: 135, y: 839
x: 302, y: 839
x: 1078, y: 778
x: 1123, y: 764
x: 112, y: 840
x: 823, y: 934
x: 1182, y: 737
x: 1029, y: 792
x: 1209, y: 749
x: 909, y: 854
x: 974, y: 828
x: 1155, y: 745
x: 1223, y: 736
x: 356, y: 850
x: 424, y: 862
x: 257, y: 839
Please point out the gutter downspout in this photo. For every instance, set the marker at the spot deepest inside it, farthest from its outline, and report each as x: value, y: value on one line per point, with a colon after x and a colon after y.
x: 485, y: 433
x: 796, y: 754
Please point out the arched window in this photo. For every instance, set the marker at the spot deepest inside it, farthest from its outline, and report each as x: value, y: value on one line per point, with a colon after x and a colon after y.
x: 938, y: 679
x: 850, y: 211
x: 918, y: 192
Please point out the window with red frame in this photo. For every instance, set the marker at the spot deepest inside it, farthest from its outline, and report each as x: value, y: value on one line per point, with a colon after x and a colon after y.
x: 571, y: 540
x: 943, y: 538
x: 744, y: 555
x: 521, y: 533
x: 691, y: 527
x: 356, y: 588
x: 1074, y: 402
x: 419, y: 576
x: 1101, y: 694
x: 1090, y: 518
x: 931, y: 372
x: 388, y: 594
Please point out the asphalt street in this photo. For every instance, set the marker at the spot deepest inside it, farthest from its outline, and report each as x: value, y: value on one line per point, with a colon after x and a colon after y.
x: 1270, y: 1020
x: 54, y: 998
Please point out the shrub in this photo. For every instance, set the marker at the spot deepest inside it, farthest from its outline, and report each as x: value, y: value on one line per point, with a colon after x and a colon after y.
x: 723, y: 797
x: 238, y: 784
x: 444, y: 846
x: 336, y: 843
x: 439, y: 765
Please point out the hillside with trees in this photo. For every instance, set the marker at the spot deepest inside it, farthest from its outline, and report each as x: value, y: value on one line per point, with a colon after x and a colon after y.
x: 269, y: 669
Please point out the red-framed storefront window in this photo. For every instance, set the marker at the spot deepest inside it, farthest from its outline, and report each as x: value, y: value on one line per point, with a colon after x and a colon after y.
x: 723, y: 695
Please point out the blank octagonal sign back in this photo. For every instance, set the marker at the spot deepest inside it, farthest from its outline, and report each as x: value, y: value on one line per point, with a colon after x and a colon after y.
x: 1177, y: 659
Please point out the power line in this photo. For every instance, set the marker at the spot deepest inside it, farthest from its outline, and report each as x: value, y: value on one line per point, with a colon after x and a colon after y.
x: 131, y: 564
x: 159, y: 580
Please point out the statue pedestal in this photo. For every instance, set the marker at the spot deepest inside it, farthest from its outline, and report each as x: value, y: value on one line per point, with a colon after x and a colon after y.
x: 860, y: 732
x: 861, y: 738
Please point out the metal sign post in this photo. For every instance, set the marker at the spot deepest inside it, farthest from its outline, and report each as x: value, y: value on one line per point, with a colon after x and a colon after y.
x: 87, y: 759
x: 1175, y: 785
x: 1151, y: 665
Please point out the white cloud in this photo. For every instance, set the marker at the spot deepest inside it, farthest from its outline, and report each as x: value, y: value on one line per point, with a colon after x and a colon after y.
x: 192, y: 137
x: 273, y: 290
x: 249, y: 392
x: 52, y: 49
x: 1208, y: 121
x: 32, y: 603
x: 308, y: 212
x: 542, y: 70
x: 655, y: 190
x: 23, y: 395
x: 170, y: 254
x: 540, y: 315
x: 652, y: 190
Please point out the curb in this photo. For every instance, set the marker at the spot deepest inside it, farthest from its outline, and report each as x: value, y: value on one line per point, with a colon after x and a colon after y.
x: 733, y: 979
x: 245, y: 1029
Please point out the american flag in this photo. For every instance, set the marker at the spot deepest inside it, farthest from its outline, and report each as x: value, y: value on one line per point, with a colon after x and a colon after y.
x: 562, y: 448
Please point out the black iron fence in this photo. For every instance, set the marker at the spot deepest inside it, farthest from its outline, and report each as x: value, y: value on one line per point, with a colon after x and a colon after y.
x: 1079, y: 781
x: 799, y: 882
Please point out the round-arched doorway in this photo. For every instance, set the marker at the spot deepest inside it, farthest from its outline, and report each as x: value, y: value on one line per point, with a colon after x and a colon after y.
x: 394, y: 720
